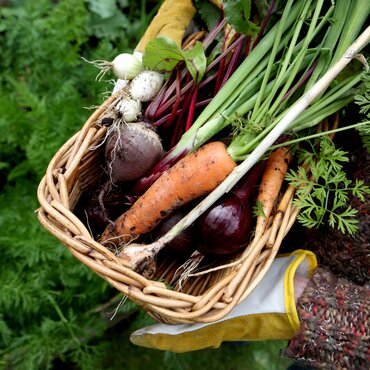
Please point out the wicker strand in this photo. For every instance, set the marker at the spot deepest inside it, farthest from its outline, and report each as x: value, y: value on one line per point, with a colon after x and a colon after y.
x: 91, y: 120
x: 70, y: 172
x: 62, y: 186
x: 78, y: 227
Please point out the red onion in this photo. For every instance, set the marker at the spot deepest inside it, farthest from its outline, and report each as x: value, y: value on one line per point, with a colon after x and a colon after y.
x: 224, y: 228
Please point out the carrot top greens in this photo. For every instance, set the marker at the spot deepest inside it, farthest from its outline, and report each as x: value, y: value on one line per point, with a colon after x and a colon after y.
x: 324, y: 197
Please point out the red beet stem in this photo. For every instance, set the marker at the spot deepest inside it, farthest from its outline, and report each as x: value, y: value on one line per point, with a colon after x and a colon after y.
x: 264, y: 24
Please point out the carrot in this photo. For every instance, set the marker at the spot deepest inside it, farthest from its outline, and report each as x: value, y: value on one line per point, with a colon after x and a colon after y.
x: 272, y: 179
x: 194, y: 176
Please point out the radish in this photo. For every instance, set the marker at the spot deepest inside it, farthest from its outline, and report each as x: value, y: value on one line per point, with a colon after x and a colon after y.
x: 119, y: 85
x: 146, y: 85
x: 131, y: 150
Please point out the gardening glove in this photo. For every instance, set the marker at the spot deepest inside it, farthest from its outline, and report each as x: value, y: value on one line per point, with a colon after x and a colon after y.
x: 269, y: 312
x: 172, y: 20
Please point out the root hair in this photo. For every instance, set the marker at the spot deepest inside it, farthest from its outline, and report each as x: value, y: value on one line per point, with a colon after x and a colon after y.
x: 103, y: 65
x: 187, y: 268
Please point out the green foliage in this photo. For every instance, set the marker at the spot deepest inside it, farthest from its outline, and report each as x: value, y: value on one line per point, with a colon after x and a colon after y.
x: 164, y: 54
x: 44, y: 86
x: 364, y: 131
x: 323, y: 197
x: 232, y: 356
x: 238, y: 14
x: 363, y: 101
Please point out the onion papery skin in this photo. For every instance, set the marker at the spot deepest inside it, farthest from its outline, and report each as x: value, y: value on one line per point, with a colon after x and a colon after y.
x: 224, y: 229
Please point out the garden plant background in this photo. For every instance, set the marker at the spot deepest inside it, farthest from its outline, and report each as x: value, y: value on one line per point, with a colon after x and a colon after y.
x: 54, y: 312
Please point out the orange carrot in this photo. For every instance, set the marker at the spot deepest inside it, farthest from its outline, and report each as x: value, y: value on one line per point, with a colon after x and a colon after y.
x: 272, y: 179
x: 194, y: 176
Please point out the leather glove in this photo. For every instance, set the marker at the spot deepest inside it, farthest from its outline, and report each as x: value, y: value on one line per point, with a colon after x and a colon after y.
x: 269, y: 312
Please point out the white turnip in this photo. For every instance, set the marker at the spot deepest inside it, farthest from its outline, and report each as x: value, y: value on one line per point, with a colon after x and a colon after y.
x: 125, y: 66
x: 146, y: 85
x: 130, y: 109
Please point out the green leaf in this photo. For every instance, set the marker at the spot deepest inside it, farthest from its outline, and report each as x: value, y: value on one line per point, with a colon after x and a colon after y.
x: 163, y: 54
x: 123, y: 3
x: 325, y: 198
x: 108, y: 28
x: 214, y: 53
x: 237, y: 13
x: 196, y: 61
x: 360, y: 190
x: 208, y: 12
x: 20, y: 170
x: 4, y: 165
x: 258, y: 209
x: 364, y: 132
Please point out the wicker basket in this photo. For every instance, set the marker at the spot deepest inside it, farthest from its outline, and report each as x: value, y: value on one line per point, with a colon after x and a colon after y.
x: 205, y: 297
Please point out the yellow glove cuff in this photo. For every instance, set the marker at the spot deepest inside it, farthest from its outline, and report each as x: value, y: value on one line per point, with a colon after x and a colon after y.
x: 172, y: 20
x: 303, y: 263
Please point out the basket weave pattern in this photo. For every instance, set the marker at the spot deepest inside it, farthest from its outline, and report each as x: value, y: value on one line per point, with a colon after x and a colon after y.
x: 207, y: 297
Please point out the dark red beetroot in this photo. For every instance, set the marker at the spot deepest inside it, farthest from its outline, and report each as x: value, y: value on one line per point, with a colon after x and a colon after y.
x: 223, y: 229
x: 131, y: 150
x: 101, y: 205
x: 185, y: 242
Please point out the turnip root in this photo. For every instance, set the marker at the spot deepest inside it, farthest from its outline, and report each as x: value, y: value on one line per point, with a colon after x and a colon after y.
x: 146, y: 85
x: 130, y: 151
x: 130, y: 109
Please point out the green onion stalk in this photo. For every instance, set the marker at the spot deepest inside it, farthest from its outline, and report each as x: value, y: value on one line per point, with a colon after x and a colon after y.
x: 306, y: 41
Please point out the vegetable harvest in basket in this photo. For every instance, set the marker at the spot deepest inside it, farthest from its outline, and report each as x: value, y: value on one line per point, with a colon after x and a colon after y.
x: 216, y: 134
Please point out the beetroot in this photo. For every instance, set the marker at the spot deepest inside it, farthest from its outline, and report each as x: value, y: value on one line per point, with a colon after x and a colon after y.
x: 185, y: 242
x: 131, y: 150
x: 101, y: 205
